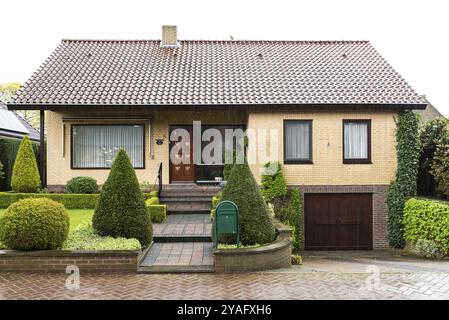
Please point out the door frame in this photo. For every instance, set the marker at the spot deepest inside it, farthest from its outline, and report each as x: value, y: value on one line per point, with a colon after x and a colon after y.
x: 170, y: 128
x: 338, y: 248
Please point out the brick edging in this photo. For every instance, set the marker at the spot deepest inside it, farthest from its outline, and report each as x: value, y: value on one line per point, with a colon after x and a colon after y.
x: 274, y: 255
x: 57, y: 260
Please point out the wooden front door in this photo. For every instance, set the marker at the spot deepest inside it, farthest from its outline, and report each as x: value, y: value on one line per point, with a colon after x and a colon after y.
x: 184, y: 171
x: 341, y: 221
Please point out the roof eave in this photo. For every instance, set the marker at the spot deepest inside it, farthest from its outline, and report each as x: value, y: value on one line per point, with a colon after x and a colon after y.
x: 56, y: 106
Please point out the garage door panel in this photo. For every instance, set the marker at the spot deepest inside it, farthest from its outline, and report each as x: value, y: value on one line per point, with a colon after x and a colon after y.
x: 338, y: 221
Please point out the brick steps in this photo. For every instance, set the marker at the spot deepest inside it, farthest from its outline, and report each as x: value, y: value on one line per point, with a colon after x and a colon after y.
x: 183, y: 243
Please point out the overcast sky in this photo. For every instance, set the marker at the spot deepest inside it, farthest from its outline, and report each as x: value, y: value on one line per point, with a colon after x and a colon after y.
x: 411, y: 35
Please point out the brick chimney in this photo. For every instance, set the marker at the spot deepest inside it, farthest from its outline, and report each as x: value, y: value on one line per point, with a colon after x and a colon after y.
x: 169, y: 37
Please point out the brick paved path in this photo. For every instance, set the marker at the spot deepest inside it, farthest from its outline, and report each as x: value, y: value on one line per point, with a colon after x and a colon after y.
x: 286, y: 284
x: 184, y: 225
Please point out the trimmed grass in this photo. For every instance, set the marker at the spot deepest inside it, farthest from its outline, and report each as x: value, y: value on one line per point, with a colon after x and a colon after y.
x: 77, y: 216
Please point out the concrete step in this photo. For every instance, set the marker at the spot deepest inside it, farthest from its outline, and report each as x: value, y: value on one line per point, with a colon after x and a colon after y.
x: 182, y: 238
x: 177, y: 198
x: 187, y: 207
x: 176, y: 269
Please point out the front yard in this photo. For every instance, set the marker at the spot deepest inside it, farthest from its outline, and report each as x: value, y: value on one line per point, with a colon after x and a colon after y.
x: 77, y: 216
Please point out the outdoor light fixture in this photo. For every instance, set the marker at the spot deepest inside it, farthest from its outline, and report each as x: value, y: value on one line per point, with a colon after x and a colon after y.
x: 159, y: 141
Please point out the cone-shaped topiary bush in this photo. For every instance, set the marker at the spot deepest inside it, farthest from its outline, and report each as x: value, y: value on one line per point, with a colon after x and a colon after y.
x: 121, y: 210
x: 256, y: 223
x: 25, y: 174
x: 34, y: 224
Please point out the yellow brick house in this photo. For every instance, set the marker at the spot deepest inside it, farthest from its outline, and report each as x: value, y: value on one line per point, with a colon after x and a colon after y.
x: 331, y: 107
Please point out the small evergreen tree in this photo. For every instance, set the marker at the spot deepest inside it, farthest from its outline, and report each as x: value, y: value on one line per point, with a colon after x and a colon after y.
x: 121, y: 210
x: 440, y: 164
x: 25, y: 174
x: 256, y: 223
x: 2, y: 174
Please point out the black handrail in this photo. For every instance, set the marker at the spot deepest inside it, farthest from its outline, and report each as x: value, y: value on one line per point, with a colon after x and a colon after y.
x: 159, y: 179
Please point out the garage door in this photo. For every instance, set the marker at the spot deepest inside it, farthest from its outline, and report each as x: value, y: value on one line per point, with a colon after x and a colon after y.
x: 338, y: 221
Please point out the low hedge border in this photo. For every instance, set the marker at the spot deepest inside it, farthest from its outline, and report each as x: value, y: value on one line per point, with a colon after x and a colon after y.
x: 157, y: 212
x: 70, y: 201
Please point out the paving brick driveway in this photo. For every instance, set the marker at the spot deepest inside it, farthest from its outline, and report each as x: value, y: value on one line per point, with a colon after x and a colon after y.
x: 321, y: 277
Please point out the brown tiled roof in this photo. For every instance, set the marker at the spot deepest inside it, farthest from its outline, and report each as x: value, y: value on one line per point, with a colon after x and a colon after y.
x: 133, y: 72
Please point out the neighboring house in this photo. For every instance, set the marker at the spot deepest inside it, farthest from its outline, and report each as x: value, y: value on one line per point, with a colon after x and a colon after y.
x: 13, y: 125
x: 429, y: 113
x: 332, y: 103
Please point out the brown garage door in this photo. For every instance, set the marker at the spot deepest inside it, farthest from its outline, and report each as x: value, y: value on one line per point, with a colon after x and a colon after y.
x: 338, y: 221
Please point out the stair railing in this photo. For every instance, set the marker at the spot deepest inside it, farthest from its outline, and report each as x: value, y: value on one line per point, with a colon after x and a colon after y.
x: 159, y: 180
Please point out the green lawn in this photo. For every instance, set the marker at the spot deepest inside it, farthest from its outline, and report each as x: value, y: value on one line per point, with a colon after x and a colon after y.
x: 77, y: 216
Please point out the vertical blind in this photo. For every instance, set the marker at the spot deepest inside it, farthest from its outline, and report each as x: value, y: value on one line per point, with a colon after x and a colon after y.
x: 356, y: 140
x: 95, y: 146
x: 297, y: 140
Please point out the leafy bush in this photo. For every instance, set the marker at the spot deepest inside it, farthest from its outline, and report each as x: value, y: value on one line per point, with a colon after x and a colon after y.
x: 289, y: 211
x: 121, y: 209
x: 296, y: 259
x: 34, y: 224
x: 2, y: 174
x: 157, y: 212
x: 427, y: 220
x: 256, y: 224
x: 81, y: 185
x: 25, y: 174
x: 440, y: 164
x: 85, y: 238
x: 8, y: 152
x: 427, y: 249
x: 405, y: 185
x: 431, y: 134
x: 273, y: 182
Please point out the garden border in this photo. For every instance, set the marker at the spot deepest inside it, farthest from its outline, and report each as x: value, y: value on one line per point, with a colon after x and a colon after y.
x: 52, y: 261
x: 274, y: 255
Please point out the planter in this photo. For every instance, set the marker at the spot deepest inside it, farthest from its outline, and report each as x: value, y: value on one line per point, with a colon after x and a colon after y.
x: 57, y: 260
x: 271, y: 256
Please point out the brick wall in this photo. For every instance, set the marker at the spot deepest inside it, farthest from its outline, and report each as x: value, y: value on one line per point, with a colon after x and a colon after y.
x: 57, y: 261
x: 273, y: 256
x: 379, y: 206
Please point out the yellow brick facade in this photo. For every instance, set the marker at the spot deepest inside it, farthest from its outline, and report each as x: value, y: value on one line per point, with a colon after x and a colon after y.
x: 327, y: 167
x: 327, y: 148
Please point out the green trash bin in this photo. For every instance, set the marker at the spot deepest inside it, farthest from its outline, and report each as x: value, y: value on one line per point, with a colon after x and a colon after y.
x: 226, y: 221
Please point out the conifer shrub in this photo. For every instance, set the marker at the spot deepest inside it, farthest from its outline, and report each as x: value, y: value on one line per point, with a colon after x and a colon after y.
x: 121, y: 209
x: 25, y: 174
x: 256, y: 223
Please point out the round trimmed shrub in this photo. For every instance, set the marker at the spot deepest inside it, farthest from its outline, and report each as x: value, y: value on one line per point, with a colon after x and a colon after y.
x: 25, y: 174
x: 34, y: 224
x: 121, y: 209
x: 82, y: 185
x: 256, y: 223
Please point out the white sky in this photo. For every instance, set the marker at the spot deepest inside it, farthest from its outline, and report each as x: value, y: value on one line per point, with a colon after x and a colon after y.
x: 411, y: 35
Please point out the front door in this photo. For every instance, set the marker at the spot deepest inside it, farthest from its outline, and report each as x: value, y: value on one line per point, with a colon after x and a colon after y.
x: 182, y: 168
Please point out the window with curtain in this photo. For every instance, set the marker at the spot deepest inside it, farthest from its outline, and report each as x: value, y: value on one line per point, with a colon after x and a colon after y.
x: 95, y: 146
x: 356, y: 138
x: 297, y: 141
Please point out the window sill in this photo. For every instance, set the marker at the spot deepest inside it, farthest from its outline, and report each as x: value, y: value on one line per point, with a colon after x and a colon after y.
x: 298, y: 162
x: 357, y: 161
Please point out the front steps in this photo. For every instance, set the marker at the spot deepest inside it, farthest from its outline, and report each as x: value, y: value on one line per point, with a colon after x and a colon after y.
x: 182, y: 243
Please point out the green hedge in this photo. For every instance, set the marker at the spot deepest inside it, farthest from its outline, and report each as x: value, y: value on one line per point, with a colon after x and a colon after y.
x: 152, y: 201
x: 8, y: 152
x: 157, y: 212
x: 70, y: 201
x: 215, y: 201
x: 427, y: 220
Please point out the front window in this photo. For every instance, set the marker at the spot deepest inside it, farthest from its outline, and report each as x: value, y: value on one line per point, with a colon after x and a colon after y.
x: 356, y: 140
x: 95, y: 146
x: 297, y: 141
